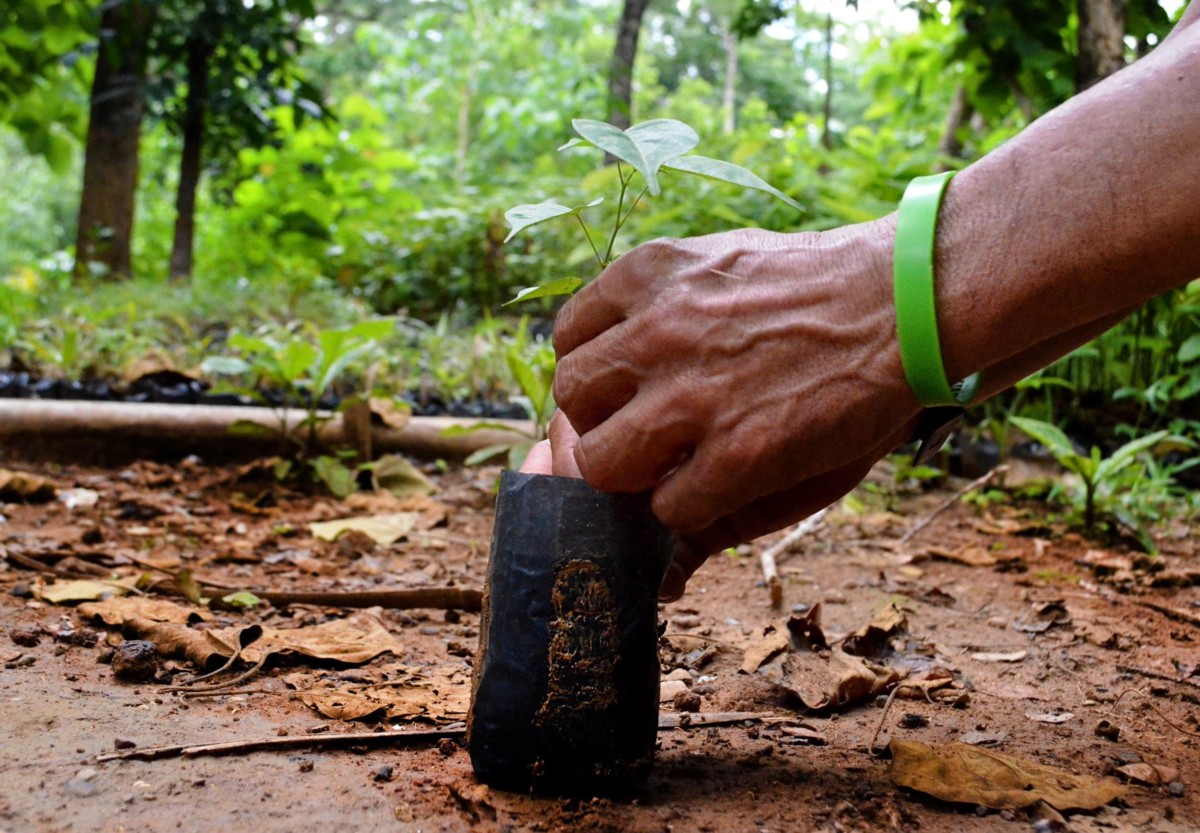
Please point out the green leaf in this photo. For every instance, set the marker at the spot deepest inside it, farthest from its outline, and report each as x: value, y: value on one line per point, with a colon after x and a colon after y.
x: 528, y: 379
x: 485, y: 454
x: 1189, y: 351
x: 463, y: 430
x: 720, y: 171
x: 1051, y: 436
x: 645, y: 146
x: 336, y: 476
x: 521, y: 217
x: 225, y: 365
x: 242, y: 598
x: 562, y: 286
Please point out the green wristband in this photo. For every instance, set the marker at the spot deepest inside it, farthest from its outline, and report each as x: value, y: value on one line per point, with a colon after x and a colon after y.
x: 916, y: 307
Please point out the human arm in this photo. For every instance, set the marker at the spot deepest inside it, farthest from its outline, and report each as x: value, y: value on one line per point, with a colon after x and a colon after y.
x: 752, y: 378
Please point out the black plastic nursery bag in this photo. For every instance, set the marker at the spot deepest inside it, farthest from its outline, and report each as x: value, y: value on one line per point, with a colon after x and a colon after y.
x: 565, y: 689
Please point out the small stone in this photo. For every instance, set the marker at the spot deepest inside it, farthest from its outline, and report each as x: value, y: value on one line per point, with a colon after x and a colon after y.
x: 306, y: 765
x: 122, y: 743
x: 687, y: 620
x: 1176, y: 788
x: 86, y: 774
x: 686, y: 701
x: 668, y: 690
x: 430, y: 630
x: 384, y: 773
x: 913, y: 721
x: 20, y: 662
x: 135, y: 661
x: 833, y: 597
x: 998, y: 622
x: 680, y: 674
x: 92, y: 537
x: 22, y: 590
x: 27, y: 636
x: 447, y: 747
x: 80, y: 788
x: 1108, y: 731
x: 452, y: 617
x: 801, y: 607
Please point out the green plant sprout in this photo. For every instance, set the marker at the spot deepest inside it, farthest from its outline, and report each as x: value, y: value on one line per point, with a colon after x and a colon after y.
x: 1101, y: 477
x: 647, y: 149
x: 644, y: 150
x: 302, y: 367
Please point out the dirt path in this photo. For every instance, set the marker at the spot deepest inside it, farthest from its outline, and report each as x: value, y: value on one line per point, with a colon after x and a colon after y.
x: 61, y: 707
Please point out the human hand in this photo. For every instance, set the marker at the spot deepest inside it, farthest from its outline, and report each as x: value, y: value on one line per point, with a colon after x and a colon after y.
x: 748, y: 378
x: 555, y: 455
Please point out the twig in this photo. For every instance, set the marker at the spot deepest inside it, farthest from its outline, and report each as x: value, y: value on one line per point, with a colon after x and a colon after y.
x: 1174, y: 613
x: 1154, y: 708
x: 770, y: 556
x: 439, y: 598
x: 224, y: 693
x: 240, y: 678
x: 882, y: 719
x: 237, y: 747
x: 977, y: 483
x: 1156, y: 675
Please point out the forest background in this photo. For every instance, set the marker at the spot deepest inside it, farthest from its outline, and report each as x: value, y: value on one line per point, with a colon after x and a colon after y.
x: 178, y: 175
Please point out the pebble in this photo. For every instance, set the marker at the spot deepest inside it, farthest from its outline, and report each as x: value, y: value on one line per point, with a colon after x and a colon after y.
x: 913, y: 721
x: 447, y: 747
x: 27, y: 636
x: 668, y: 690
x: 687, y: 701
x: 306, y: 766
x: 122, y: 743
x: 81, y: 788
x: 835, y: 598
x: 998, y: 622
x: 687, y: 620
x: 801, y: 607
x: 1176, y: 788
x: 384, y: 773
x: 135, y: 661
x: 680, y: 674
x: 86, y: 774
x: 22, y: 591
x: 430, y: 630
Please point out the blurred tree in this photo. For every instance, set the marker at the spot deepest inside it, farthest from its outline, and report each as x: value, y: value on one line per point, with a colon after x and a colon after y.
x: 110, y: 170
x: 620, y: 70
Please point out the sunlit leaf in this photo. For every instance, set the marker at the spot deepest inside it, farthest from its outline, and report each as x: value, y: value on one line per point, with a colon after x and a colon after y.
x: 225, y: 365
x: 562, y: 286
x: 521, y: 217
x: 721, y: 171
x: 645, y: 146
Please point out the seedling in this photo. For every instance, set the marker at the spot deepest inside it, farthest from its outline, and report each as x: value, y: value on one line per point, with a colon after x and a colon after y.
x: 643, y: 152
x: 302, y: 367
x: 1100, y: 476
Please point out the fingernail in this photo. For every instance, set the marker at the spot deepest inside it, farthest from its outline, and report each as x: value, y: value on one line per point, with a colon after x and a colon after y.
x: 673, y: 584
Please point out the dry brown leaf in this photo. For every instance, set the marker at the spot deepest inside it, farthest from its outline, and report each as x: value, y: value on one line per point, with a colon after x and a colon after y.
x: 1152, y: 775
x: 971, y: 555
x: 86, y: 590
x: 871, y: 640
x: 772, y: 643
x: 838, y: 681
x: 806, y: 630
x: 383, y: 529
x: 392, y: 414
x: 432, y: 512
x: 119, y: 611
x: 393, y: 473
x: 968, y: 775
x: 21, y: 486
x: 437, y: 693
x: 354, y: 640
x: 174, y: 640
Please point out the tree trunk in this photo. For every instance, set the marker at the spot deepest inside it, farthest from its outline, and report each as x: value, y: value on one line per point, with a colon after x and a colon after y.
x: 620, y: 69
x: 729, y: 43
x: 826, y: 137
x: 110, y: 170
x: 1101, y: 40
x: 199, y: 53
x: 959, y: 114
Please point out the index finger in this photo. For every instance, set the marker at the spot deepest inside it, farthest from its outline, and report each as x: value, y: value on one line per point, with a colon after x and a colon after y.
x: 592, y: 311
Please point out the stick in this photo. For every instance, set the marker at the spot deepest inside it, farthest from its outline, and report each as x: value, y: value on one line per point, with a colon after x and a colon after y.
x: 238, y: 747
x: 771, y: 554
x: 957, y: 496
x: 1175, y: 613
x: 439, y: 598
x: 1156, y: 675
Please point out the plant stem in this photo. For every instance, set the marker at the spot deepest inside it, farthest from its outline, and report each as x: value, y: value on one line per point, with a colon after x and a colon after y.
x: 588, y: 235
x: 620, y: 205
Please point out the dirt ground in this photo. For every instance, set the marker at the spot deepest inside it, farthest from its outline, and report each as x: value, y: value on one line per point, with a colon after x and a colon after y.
x: 1039, y: 634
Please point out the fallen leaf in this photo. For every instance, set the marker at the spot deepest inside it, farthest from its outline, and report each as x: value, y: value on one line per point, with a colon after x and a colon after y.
x: 977, y: 738
x: 86, y: 590
x: 21, y: 486
x: 806, y: 630
x: 390, y: 412
x: 871, y: 640
x: 1046, y: 616
x: 1050, y: 717
x: 773, y: 642
x: 393, y: 473
x: 436, y: 693
x: 971, y: 555
x: 433, y: 513
x: 1011, y: 656
x: 838, y: 681
x: 383, y: 529
x: 117, y: 611
x: 969, y: 775
x: 804, y: 734
x: 1152, y: 775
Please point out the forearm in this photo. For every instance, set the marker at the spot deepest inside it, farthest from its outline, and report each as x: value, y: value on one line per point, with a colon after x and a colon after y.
x: 1090, y: 211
